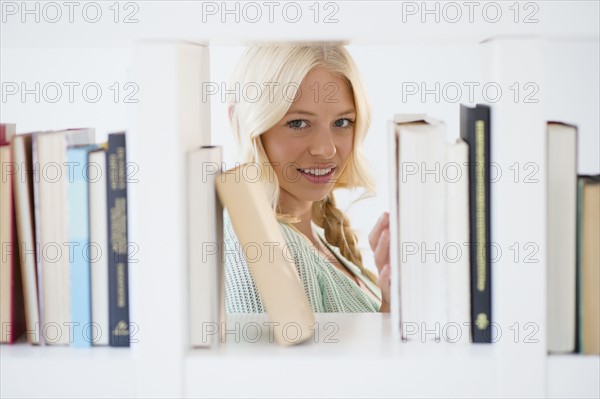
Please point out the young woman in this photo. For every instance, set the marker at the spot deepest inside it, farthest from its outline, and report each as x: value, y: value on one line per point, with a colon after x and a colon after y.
x: 301, y: 114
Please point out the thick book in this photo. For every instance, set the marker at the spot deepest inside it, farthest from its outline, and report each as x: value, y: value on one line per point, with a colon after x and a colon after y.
x: 275, y: 277
x: 118, y: 271
x: 475, y: 130
x: 458, y: 271
x: 51, y: 219
x: 421, y: 225
x: 12, y: 311
x: 98, y: 243
x: 23, y: 193
x: 79, y: 239
x: 205, y: 235
x: 588, y: 212
x: 561, y: 205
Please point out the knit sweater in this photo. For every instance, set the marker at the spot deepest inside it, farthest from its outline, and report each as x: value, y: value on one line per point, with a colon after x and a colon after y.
x: 326, y: 287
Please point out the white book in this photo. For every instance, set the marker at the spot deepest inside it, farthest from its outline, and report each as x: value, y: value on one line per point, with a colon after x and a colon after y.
x: 422, y: 218
x: 456, y: 254
x: 562, y: 232
x: 51, y: 219
x: 98, y: 245
x: 395, y: 308
x: 205, y: 242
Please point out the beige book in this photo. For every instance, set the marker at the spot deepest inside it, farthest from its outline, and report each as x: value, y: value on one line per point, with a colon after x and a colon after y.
x: 590, y: 268
x: 275, y: 277
x: 23, y: 186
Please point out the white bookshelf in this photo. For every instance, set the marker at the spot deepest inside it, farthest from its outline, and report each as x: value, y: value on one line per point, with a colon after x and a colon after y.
x: 366, y: 361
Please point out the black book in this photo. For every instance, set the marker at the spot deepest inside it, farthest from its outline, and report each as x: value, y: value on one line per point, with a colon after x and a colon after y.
x: 475, y: 130
x: 118, y: 292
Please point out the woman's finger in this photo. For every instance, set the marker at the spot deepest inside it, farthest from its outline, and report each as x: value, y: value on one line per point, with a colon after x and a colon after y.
x: 382, y: 223
x: 382, y: 250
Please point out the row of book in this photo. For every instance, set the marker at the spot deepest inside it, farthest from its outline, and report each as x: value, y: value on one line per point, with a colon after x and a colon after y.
x: 64, y: 270
x: 440, y: 221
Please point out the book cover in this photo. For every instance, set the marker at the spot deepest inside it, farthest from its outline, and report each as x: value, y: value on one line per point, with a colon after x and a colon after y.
x: 205, y: 237
x: 475, y: 130
x: 79, y: 258
x: 51, y: 221
x: 561, y: 236
x: 12, y: 311
x: 588, y: 261
x: 98, y: 243
x: 118, y: 282
x: 421, y: 229
x: 23, y: 193
x: 275, y: 277
x: 457, y: 234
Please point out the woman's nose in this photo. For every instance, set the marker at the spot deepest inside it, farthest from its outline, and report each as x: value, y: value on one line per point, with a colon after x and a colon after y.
x: 322, y: 144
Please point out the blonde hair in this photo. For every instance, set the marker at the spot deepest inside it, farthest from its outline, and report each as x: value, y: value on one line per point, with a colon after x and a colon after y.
x: 275, y: 73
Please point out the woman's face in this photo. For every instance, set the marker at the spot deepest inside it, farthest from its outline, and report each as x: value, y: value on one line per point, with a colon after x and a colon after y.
x: 311, y: 144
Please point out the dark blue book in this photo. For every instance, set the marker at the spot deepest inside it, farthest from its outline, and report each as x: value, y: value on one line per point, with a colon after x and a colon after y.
x: 475, y: 130
x: 118, y: 285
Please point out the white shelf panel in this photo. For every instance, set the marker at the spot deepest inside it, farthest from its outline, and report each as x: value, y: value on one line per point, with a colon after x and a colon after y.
x: 56, y: 371
x: 359, y: 22
x: 573, y: 376
x: 364, y: 362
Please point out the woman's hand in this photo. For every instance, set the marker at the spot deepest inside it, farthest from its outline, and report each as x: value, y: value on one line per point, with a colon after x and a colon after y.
x: 379, y: 240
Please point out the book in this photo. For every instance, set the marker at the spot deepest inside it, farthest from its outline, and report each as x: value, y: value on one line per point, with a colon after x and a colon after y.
x: 456, y: 253
x: 98, y: 243
x: 23, y: 193
x: 275, y: 277
x: 79, y: 239
x: 561, y: 236
x: 7, y: 132
x: 118, y: 271
x: 475, y: 130
x: 51, y: 214
x: 421, y: 225
x: 12, y: 312
x: 588, y: 212
x: 205, y: 238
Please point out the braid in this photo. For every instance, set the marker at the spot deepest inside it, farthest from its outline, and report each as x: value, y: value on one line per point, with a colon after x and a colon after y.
x: 337, y: 232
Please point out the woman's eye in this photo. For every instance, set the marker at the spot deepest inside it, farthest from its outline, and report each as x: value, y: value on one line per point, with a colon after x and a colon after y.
x: 297, y: 124
x: 344, y: 123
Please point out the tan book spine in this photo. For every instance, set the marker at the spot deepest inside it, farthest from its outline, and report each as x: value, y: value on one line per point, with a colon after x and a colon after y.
x: 275, y: 277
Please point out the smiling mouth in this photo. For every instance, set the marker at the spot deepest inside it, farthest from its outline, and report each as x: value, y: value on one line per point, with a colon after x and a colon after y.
x: 318, y: 175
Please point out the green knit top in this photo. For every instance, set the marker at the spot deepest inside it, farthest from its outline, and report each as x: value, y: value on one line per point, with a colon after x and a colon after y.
x: 327, y: 288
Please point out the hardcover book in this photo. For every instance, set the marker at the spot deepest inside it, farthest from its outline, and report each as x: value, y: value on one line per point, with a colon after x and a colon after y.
x: 23, y: 192
x: 561, y: 227
x: 98, y: 243
x: 421, y: 213
x: 475, y: 130
x: 205, y: 237
x: 589, y: 264
x: 79, y: 238
x: 118, y: 282
x: 275, y: 277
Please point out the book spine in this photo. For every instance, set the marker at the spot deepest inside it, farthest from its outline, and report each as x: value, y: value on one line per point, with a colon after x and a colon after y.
x: 117, y: 241
x: 98, y: 240
x: 11, y: 303
x: 23, y: 189
x: 81, y: 307
x: 205, y: 235
x: 475, y: 129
